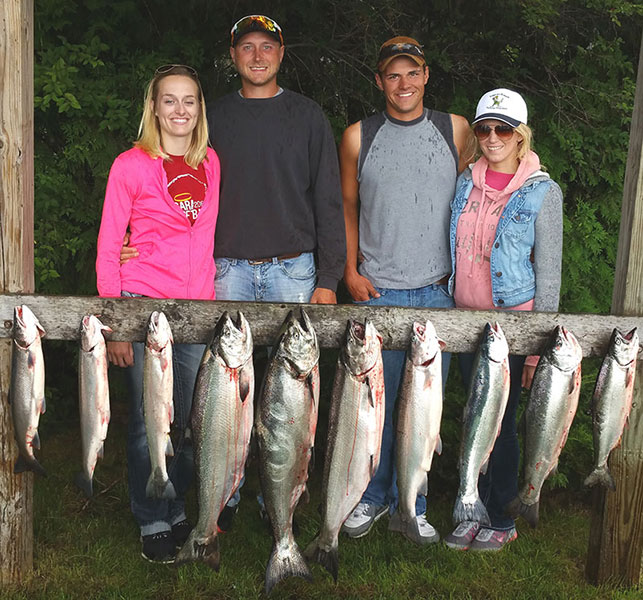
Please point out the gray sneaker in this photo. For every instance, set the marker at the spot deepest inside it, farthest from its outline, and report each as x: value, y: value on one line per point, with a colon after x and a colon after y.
x: 462, y: 536
x: 361, y: 520
x: 418, y: 530
x: 493, y: 539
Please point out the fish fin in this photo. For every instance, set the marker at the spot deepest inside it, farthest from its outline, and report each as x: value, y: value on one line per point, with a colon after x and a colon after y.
x: 329, y: 559
x: 43, y: 406
x: 553, y: 470
x: 286, y: 561
x: 602, y: 476
x: 438, y: 446
x: 484, y: 467
x: 35, y: 441
x: 371, y: 396
x: 311, y: 462
x: 305, y: 495
x: 529, y: 512
x: 424, y: 486
x: 171, y: 413
x: 22, y: 465
x: 372, y: 469
x: 159, y: 487
x: 244, y: 383
x: 169, y: 450
x: 470, y: 512
x: 84, y: 484
x: 101, y: 451
x: 206, y: 551
x: 310, y: 382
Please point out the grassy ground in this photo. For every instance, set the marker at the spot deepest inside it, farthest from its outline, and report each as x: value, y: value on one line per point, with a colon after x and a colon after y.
x: 91, y: 549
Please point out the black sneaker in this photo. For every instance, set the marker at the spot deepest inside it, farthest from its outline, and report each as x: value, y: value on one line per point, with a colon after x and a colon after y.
x: 226, y: 517
x: 159, y: 547
x: 180, y: 532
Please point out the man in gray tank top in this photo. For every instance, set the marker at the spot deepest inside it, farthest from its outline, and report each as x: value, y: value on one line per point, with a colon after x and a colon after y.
x: 398, y: 171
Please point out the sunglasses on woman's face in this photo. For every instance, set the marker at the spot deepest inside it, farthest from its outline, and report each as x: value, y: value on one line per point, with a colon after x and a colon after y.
x: 504, y: 132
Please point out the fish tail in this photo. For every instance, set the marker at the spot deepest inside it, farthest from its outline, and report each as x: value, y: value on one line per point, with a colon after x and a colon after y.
x: 158, y: 486
x: 602, y: 476
x: 470, y: 512
x: 285, y: 561
x: 329, y: 559
x: 206, y: 551
x: 31, y: 464
x: 84, y: 483
x: 517, y: 508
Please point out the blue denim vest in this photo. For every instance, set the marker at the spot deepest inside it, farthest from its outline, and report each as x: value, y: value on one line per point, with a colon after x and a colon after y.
x: 512, y: 274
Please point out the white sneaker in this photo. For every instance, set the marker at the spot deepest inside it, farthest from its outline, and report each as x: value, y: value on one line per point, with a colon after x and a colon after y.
x: 360, y: 521
x: 418, y: 530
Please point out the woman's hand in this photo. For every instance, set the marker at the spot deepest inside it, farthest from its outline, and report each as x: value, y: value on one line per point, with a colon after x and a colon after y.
x: 127, y: 251
x: 120, y: 354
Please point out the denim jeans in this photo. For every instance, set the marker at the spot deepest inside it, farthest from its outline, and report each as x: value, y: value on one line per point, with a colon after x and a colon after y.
x: 382, y: 489
x: 499, y: 485
x: 151, y: 514
x: 289, y: 280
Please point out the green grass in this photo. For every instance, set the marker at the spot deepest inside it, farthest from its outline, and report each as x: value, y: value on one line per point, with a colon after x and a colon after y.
x: 91, y: 549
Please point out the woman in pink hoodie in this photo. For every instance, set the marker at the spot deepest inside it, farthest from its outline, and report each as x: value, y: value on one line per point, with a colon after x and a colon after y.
x: 506, y: 249
x: 165, y: 190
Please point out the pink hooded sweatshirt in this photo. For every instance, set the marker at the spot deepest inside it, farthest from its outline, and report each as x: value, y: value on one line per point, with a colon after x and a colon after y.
x: 175, y: 258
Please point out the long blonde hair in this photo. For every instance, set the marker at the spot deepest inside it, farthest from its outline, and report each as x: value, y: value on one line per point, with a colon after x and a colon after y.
x: 149, y: 130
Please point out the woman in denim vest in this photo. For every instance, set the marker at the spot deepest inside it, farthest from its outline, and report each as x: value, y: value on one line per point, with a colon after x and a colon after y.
x: 506, y: 248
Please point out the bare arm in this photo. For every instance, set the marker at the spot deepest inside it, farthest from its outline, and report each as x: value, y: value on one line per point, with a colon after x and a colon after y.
x: 359, y: 287
x: 463, y: 140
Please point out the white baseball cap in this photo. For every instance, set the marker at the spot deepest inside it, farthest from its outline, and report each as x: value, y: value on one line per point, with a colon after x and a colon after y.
x: 504, y: 105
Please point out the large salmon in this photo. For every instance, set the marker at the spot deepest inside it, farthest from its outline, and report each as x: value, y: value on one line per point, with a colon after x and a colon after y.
x: 354, y: 436
x: 222, y: 412
x: 418, y: 420
x: 485, y: 408
x: 93, y: 397
x: 158, y: 403
x: 548, y: 416
x: 27, y: 391
x: 285, y: 425
x: 612, y: 402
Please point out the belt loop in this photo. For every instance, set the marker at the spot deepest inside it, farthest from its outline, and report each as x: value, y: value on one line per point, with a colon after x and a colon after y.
x: 274, y: 260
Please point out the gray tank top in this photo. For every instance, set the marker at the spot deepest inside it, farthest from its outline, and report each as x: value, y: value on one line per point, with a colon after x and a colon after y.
x: 406, y: 173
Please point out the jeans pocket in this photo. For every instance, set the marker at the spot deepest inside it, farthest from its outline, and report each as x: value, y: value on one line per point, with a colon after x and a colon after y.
x: 302, y: 267
x: 222, y: 265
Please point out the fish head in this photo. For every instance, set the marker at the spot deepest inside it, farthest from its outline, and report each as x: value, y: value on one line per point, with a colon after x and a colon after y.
x: 26, y: 327
x: 425, y: 344
x: 494, y: 343
x: 298, y: 343
x: 159, y: 334
x: 624, y: 347
x: 564, y: 351
x: 232, y: 340
x: 91, y: 332
x: 362, y: 346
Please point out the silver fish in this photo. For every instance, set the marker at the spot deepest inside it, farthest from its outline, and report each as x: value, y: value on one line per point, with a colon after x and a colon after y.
x: 93, y: 394
x: 285, y: 425
x: 418, y: 420
x: 158, y: 403
x: 354, y: 437
x: 27, y: 391
x: 222, y: 414
x: 548, y: 416
x: 612, y: 402
x: 487, y: 400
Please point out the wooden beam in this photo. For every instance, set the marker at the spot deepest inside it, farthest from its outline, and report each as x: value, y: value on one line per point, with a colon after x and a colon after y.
x: 16, y: 263
x: 616, y: 532
x: 194, y: 321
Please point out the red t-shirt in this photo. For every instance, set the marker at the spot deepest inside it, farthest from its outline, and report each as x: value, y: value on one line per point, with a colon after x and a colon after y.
x: 186, y: 185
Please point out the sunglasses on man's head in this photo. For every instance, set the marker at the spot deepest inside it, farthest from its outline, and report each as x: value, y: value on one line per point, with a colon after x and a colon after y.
x: 400, y: 48
x: 255, y: 23
x: 504, y: 132
x: 166, y: 69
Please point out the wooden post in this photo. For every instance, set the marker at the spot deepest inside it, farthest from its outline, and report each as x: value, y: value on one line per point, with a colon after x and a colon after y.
x: 16, y: 264
x: 616, y: 532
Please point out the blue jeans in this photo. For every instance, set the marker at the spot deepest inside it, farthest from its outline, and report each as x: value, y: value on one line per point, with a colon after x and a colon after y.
x: 151, y: 514
x: 500, y: 483
x: 382, y: 490
x: 289, y: 280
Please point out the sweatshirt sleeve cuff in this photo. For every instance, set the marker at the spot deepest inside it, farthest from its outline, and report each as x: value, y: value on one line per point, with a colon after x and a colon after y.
x: 327, y: 281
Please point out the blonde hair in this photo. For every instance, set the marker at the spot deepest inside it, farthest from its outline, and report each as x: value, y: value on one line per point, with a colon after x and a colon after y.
x: 524, y: 146
x: 149, y: 130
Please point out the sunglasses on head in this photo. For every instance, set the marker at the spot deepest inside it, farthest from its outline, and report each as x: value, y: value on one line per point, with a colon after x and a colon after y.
x: 504, y: 132
x: 165, y: 69
x: 255, y: 23
x: 402, y: 48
